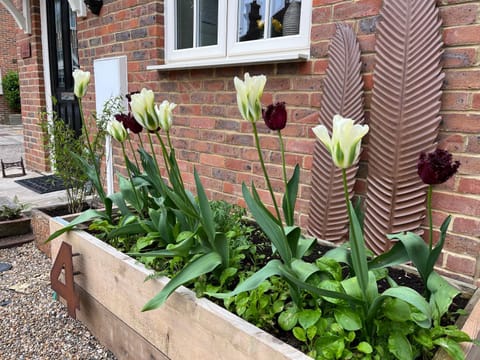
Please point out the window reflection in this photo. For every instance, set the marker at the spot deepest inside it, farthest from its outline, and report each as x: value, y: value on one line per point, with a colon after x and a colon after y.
x: 197, y: 23
x: 59, y: 40
x: 73, y: 39
x: 208, y: 21
x: 184, y: 17
x: 283, y: 19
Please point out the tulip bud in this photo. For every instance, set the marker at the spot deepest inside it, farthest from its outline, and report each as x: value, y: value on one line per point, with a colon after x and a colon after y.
x: 249, y: 93
x: 81, y: 80
x: 164, y: 114
x: 275, y: 116
x: 344, y: 145
x: 129, y: 122
x: 117, y: 130
x: 143, y: 110
x: 436, y: 167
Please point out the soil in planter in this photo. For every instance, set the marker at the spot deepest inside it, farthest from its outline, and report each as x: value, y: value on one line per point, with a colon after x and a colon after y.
x: 62, y: 210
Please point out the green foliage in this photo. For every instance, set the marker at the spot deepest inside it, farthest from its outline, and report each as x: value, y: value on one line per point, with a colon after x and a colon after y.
x: 62, y: 143
x: 12, y: 211
x: 11, y: 90
x: 261, y: 305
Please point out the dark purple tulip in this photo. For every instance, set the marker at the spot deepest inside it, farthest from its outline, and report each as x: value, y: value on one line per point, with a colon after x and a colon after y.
x: 275, y: 116
x: 129, y: 122
x: 436, y: 167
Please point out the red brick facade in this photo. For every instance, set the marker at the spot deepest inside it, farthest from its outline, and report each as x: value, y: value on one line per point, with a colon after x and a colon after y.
x: 210, y: 135
x: 8, y: 55
x: 32, y: 91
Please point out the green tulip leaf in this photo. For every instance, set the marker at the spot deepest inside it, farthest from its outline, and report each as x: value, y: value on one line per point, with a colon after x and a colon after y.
x: 200, y: 266
x: 82, y: 218
x: 303, y: 269
x: 395, y: 256
x: 304, y: 244
x: 358, y: 254
x: 270, y: 269
x: 290, y: 197
x: 417, y: 251
x: 205, y: 211
x: 272, y: 229
x: 435, y: 253
x: 442, y: 294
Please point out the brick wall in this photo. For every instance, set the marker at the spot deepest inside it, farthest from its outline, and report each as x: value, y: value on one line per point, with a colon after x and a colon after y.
x: 32, y: 91
x: 210, y: 135
x: 8, y: 55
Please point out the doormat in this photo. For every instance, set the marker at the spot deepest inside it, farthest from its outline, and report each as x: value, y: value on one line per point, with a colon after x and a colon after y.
x: 43, y: 184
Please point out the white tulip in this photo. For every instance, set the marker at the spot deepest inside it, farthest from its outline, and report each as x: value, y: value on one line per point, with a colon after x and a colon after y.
x: 344, y: 145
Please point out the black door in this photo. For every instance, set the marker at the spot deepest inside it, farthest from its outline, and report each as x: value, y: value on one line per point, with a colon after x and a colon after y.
x: 63, y: 53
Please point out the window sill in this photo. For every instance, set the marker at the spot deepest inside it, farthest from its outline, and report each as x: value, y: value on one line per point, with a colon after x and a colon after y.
x: 244, y: 60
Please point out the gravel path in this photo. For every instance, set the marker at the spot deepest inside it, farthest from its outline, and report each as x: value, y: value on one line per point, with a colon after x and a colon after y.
x: 32, y: 324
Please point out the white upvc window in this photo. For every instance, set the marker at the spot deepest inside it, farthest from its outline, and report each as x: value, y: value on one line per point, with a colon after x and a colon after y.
x: 202, y: 33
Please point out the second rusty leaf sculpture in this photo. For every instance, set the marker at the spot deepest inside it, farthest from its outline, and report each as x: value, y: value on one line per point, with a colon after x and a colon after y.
x: 404, y: 117
x: 342, y: 94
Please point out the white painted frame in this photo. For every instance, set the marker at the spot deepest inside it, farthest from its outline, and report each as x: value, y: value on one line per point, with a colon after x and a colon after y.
x: 284, y: 45
x: 230, y: 51
x: 204, y: 52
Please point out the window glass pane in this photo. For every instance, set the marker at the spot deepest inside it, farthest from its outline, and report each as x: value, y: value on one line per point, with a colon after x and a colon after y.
x: 208, y: 22
x: 59, y: 44
x: 73, y: 39
x: 285, y: 19
x: 251, y: 19
x: 184, y: 24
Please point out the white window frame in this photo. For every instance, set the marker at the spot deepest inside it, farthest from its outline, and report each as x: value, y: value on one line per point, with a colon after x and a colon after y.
x: 192, y: 54
x: 229, y: 51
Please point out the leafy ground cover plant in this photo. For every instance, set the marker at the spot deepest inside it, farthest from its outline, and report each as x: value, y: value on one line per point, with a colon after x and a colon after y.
x: 12, y: 211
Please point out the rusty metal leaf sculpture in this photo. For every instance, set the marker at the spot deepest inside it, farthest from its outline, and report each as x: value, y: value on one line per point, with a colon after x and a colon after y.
x: 343, y: 94
x: 404, y: 117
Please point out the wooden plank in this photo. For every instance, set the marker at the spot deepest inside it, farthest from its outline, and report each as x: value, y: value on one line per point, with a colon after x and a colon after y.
x: 113, y: 333
x: 184, y: 327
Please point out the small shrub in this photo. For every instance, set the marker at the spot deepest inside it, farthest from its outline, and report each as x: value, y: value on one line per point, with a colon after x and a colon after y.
x: 12, y: 211
x: 11, y: 90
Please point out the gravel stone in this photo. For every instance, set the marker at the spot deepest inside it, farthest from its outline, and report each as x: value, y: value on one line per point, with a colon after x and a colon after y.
x: 33, y: 325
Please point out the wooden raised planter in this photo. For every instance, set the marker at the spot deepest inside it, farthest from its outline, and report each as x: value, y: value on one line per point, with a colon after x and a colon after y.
x: 112, y: 291
x: 15, y: 227
x: 15, y: 232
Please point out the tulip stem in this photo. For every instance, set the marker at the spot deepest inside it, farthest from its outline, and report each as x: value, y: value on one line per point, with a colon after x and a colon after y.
x: 430, y: 217
x: 100, y: 190
x: 285, y: 180
x: 164, y: 154
x: 141, y: 141
x: 133, y: 152
x: 140, y: 211
x: 153, y: 151
x: 267, y: 179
